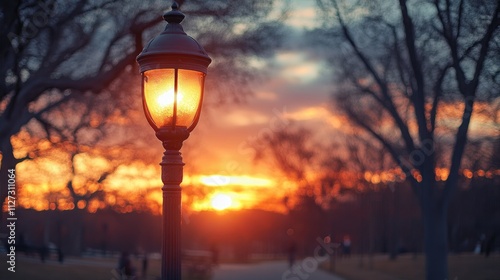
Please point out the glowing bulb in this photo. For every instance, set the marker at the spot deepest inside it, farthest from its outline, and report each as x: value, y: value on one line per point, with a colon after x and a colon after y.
x: 168, y: 98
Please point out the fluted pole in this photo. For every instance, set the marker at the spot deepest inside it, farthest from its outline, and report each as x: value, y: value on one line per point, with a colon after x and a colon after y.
x: 172, y: 173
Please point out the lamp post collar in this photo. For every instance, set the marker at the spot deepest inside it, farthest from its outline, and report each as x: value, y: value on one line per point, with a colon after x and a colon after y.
x: 172, y: 138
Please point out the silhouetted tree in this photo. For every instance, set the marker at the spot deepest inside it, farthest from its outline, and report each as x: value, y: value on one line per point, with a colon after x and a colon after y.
x: 402, y: 68
x: 54, y: 51
x: 293, y: 152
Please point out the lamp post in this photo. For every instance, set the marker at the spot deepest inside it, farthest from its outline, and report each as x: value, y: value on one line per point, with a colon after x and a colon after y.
x: 173, y: 68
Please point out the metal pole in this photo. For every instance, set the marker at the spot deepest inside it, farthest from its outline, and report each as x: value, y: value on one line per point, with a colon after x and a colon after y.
x: 171, y: 175
x: 171, y: 244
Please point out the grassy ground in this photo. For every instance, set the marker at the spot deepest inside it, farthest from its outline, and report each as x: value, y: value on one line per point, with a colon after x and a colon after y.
x: 409, y: 268
x: 75, y: 269
x: 354, y: 268
x: 48, y: 271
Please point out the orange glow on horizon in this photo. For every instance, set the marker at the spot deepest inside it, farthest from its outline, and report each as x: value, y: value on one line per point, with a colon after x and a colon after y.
x: 224, y: 199
x: 43, y: 196
x: 135, y: 183
x: 237, y: 180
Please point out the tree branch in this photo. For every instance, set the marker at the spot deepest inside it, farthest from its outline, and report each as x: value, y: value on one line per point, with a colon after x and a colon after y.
x: 396, y: 156
x: 387, y: 102
x: 485, y: 44
x: 452, y: 44
x: 418, y: 96
x: 438, y: 91
x: 458, y: 150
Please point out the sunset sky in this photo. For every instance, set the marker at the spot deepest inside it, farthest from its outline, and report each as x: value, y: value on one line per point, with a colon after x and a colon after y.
x: 218, y: 154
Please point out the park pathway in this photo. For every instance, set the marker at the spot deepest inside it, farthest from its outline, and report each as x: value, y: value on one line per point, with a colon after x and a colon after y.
x: 266, y: 271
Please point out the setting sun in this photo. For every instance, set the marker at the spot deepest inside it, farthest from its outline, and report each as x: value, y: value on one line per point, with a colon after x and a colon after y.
x: 221, y: 202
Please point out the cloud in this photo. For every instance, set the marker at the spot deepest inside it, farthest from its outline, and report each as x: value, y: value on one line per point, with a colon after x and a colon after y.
x: 303, y: 17
x: 266, y: 95
x: 296, y: 67
x: 243, y: 117
x: 317, y: 113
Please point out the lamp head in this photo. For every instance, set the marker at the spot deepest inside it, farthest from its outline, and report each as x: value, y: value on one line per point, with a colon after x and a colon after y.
x: 173, y: 66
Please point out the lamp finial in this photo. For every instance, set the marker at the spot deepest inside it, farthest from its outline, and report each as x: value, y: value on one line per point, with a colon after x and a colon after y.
x: 175, y: 6
x: 174, y: 16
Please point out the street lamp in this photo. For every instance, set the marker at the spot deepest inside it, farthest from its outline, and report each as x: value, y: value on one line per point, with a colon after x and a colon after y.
x: 173, y: 68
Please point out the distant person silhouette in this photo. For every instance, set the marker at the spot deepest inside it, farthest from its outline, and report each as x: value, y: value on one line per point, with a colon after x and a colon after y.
x: 346, y: 245
x: 44, y: 252
x: 60, y: 255
x: 215, y: 255
x: 125, y: 265
x: 292, y: 251
x: 291, y: 247
x: 490, y: 244
x: 144, y: 265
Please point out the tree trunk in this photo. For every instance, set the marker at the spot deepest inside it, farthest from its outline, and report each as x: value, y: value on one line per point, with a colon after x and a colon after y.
x: 77, y: 232
x: 394, y: 245
x: 435, y: 240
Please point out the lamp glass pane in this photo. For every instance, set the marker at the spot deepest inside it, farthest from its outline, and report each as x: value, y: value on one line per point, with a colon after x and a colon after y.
x: 159, y: 95
x: 190, y: 87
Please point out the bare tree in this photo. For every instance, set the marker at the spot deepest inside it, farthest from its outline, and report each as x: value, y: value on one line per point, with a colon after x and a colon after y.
x: 51, y: 52
x: 291, y: 150
x: 401, y: 65
x: 86, y: 126
x: 55, y: 50
x: 81, y: 135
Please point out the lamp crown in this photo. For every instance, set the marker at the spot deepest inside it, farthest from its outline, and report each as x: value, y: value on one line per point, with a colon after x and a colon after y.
x: 173, y: 48
x: 174, y: 16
